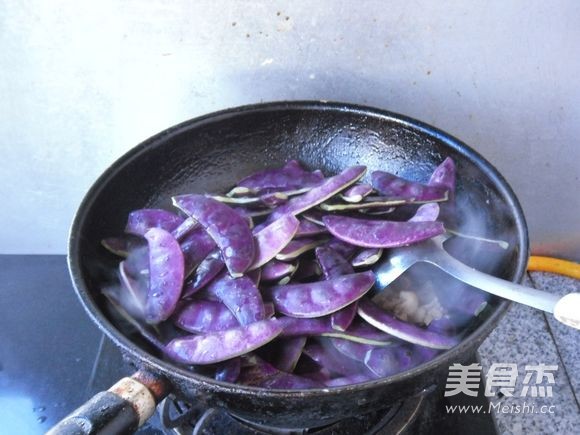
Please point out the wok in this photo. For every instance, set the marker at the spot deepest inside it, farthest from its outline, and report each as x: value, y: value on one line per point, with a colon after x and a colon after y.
x: 212, y: 152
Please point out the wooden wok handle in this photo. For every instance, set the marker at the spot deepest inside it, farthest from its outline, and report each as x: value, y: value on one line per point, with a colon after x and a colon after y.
x: 123, y: 408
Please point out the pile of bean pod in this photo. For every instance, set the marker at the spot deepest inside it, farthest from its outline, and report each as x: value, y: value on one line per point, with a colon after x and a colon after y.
x: 270, y: 284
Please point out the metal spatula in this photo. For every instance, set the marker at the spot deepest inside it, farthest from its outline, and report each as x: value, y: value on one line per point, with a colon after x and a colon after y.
x: 566, y: 309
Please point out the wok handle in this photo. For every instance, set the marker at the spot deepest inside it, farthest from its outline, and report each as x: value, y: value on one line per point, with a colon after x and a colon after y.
x: 123, y: 408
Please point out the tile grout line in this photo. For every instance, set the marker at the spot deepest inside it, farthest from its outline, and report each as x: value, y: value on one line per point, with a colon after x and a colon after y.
x: 549, y: 328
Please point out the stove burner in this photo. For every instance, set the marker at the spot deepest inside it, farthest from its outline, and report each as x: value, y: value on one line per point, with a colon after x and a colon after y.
x: 181, y: 418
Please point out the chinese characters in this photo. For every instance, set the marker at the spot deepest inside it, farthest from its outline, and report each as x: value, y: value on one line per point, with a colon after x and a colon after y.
x: 538, y: 380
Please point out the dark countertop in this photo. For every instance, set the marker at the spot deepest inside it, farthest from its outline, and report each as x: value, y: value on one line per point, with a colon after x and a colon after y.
x: 57, y: 366
x: 27, y: 384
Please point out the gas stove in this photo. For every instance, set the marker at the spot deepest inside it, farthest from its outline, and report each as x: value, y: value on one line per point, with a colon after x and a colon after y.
x: 181, y: 418
x: 52, y: 359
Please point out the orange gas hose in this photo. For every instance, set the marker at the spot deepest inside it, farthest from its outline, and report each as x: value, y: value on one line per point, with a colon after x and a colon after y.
x: 554, y: 265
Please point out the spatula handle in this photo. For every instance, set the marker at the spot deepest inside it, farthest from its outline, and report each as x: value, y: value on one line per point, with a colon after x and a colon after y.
x: 567, y: 310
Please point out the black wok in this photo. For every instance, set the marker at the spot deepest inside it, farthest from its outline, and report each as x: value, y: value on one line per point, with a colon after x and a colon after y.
x: 210, y: 153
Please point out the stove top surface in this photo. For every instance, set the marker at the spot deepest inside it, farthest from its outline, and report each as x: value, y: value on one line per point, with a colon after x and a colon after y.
x: 53, y: 358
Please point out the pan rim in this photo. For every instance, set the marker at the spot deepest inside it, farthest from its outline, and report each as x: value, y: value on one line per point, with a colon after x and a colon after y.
x: 476, y: 336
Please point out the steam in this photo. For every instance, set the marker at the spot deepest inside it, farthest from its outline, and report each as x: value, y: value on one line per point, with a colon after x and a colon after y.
x: 481, y: 238
x: 128, y: 315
